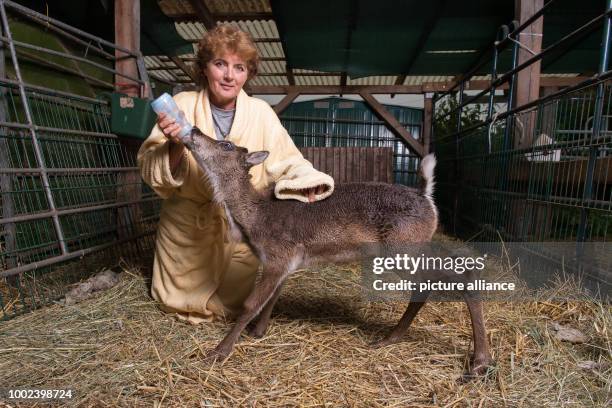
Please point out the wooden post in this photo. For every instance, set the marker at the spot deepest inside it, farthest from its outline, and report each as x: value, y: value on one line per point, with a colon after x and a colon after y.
x: 127, y: 35
x: 129, y: 184
x: 427, y: 118
x: 528, y: 79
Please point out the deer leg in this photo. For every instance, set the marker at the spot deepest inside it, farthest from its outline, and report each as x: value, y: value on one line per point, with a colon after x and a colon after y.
x: 261, y: 293
x: 263, y: 320
x: 416, y: 302
x: 482, y: 358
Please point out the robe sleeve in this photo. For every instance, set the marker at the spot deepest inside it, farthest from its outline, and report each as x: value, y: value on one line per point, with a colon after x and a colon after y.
x: 287, y: 167
x: 154, y: 158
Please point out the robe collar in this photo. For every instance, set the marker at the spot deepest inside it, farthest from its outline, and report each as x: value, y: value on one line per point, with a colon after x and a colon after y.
x: 204, y: 121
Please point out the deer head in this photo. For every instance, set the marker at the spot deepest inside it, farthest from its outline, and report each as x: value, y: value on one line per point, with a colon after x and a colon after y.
x: 225, y: 164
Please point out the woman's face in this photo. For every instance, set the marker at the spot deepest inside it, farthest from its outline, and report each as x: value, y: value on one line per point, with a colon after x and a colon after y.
x: 226, y: 74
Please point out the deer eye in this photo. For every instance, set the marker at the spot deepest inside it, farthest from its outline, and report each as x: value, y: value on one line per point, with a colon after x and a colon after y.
x: 227, y: 146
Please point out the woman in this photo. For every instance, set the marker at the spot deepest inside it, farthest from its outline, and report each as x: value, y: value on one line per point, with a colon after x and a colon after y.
x: 198, y: 272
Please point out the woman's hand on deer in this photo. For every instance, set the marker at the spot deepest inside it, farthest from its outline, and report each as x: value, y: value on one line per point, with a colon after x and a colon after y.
x: 312, y: 192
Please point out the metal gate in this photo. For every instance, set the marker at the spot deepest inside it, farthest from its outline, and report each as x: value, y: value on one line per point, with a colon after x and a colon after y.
x: 71, y: 199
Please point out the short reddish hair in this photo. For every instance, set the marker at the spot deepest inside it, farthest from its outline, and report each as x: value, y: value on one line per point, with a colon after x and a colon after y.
x: 226, y: 38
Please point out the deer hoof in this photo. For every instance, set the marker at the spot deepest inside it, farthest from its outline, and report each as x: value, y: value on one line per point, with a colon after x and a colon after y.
x: 257, y: 332
x: 216, y: 355
x: 387, y: 341
x: 480, y: 368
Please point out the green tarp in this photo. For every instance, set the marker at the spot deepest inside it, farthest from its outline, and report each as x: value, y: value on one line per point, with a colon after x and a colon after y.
x: 364, y: 37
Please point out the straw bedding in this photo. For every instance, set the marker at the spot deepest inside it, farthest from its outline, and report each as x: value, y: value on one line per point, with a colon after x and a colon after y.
x: 118, y: 349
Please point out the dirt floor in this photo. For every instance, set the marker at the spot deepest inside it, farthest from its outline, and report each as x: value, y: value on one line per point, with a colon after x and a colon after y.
x: 118, y: 349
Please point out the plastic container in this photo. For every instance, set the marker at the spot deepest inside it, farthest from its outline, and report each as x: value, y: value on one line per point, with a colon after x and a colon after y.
x: 130, y: 116
x: 165, y: 104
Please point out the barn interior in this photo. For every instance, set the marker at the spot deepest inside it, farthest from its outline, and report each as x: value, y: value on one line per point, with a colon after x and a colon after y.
x: 512, y: 96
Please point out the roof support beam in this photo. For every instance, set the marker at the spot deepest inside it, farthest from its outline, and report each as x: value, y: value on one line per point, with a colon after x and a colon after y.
x: 343, y: 79
x: 204, y: 15
x: 179, y: 63
x: 528, y: 79
x: 393, y: 123
x: 290, y: 77
x: 397, y: 89
x: 285, y: 102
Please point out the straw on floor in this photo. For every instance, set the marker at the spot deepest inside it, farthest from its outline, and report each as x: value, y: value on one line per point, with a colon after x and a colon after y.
x: 118, y: 349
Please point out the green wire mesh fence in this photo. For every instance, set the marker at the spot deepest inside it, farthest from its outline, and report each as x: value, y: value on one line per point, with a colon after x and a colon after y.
x: 71, y: 198
x: 537, y: 173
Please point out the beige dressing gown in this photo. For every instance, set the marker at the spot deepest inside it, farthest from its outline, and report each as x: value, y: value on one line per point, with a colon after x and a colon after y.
x: 198, y: 272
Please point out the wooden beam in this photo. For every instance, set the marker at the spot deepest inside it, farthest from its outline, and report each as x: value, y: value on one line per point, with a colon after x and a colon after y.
x: 427, y: 123
x: 161, y: 68
x: 165, y: 81
x: 528, y: 79
x: 400, y: 79
x: 290, y: 77
x: 186, y: 69
x: 127, y: 35
x: 343, y: 79
x: 393, y: 123
x: 285, y: 102
x: 204, y: 15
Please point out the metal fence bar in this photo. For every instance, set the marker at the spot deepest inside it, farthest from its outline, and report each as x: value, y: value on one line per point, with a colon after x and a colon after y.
x: 506, y: 77
x: 35, y: 142
x: 70, y: 56
x: 28, y: 12
x: 69, y: 256
x: 48, y: 214
x: 52, y: 92
x: 559, y: 188
x: 58, y: 130
x: 50, y: 25
x: 597, y: 122
x: 502, y: 43
x: 89, y: 172
x: 68, y: 170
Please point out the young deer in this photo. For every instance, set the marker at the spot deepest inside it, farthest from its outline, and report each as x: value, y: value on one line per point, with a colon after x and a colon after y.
x: 288, y: 234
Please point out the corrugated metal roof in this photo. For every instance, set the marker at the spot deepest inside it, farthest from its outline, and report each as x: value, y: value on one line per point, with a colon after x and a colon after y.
x: 270, y: 50
x: 238, y: 6
x: 272, y: 67
x: 190, y: 31
x: 421, y: 79
x: 175, y: 7
x: 257, y: 28
x: 270, y: 81
x: 373, y: 80
x: 272, y: 73
x: 317, y: 80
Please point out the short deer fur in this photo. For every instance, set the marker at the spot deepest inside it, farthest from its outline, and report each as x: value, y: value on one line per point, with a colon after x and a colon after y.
x: 288, y: 234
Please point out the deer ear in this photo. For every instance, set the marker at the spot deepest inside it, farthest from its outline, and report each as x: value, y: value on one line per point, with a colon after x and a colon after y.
x: 255, y: 158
